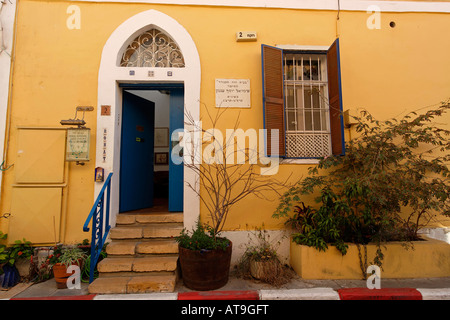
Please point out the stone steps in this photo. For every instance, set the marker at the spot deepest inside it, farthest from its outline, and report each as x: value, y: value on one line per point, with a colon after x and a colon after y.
x: 151, y: 230
x: 138, y: 264
x: 142, y: 255
x: 133, y: 284
x: 132, y: 247
x: 154, y: 217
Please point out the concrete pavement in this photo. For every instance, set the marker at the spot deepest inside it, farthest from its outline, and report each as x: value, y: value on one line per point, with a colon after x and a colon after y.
x: 242, y: 289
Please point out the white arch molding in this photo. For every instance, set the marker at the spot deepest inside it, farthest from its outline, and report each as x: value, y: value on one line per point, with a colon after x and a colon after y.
x: 109, y: 93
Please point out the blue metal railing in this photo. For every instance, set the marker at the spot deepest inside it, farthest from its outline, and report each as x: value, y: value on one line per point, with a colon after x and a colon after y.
x: 100, y: 224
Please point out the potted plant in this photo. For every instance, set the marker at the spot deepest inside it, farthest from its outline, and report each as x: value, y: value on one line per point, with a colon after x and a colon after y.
x: 21, y: 255
x: 204, y: 258
x: 204, y: 254
x: 260, y: 260
x: 61, y: 259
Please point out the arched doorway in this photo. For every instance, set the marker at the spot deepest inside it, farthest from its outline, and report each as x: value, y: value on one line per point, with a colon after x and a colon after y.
x: 126, y: 63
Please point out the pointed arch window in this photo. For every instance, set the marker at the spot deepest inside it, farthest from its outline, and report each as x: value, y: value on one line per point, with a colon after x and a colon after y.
x: 154, y: 49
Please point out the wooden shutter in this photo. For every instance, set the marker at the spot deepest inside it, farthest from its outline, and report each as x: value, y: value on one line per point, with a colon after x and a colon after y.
x: 273, y: 98
x: 335, y: 100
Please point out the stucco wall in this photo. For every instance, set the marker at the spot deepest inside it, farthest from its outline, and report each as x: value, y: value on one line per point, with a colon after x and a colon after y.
x: 388, y: 71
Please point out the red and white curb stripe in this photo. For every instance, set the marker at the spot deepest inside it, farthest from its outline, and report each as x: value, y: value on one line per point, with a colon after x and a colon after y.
x: 289, y: 294
x: 295, y: 294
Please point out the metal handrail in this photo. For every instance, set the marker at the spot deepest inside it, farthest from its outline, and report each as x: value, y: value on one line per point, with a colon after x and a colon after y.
x: 100, y: 224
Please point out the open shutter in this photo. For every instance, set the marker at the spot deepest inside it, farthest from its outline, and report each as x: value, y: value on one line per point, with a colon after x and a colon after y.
x: 335, y: 100
x: 273, y: 99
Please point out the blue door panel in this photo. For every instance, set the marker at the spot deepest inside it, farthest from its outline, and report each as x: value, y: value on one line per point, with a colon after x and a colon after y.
x: 137, y: 151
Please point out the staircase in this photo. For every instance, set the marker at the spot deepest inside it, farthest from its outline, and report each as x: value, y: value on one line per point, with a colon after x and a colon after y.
x: 142, y: 254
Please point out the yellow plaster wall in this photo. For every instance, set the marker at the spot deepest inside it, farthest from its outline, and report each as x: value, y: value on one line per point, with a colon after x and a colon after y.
x: 422, y: 259
x: 388, y: 71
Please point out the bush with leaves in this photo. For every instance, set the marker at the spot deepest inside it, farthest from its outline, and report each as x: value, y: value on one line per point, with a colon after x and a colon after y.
x: 392, y: 180
x: 19, y: 250
x: 203, y: 237
x: 3, y: 251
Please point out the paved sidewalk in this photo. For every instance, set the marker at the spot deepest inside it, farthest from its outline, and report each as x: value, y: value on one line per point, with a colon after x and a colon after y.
x: 241, y: 289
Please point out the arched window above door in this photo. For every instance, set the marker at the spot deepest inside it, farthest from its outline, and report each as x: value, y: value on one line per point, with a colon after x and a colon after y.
x: 153, y: 49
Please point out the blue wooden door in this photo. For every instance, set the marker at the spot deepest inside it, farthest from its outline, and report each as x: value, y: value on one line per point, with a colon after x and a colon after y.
x: 176, y: 170
x: 136, y: 164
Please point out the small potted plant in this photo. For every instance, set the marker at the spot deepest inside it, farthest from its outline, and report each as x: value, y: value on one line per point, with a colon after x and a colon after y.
x: 204, y: 258
x: 21, y: 255
x: 61, y: 259
x: 261, y: 261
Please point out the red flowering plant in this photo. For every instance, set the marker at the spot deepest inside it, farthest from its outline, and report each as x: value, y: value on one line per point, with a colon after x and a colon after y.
x: 20, y: 250
x: 54, y: 258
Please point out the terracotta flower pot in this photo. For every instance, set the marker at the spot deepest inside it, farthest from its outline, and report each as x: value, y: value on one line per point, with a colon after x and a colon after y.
x: 61, y: 275
x: 205, y: 269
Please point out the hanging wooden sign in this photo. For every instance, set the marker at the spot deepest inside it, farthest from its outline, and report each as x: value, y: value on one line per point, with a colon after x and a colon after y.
x: 77, y: 145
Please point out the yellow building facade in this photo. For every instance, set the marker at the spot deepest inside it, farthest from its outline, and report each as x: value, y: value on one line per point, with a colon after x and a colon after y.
x: 392, y: 59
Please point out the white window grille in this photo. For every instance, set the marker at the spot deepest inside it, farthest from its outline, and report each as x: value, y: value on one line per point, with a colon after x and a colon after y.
x: 306, y: 105
x: 155, y: 49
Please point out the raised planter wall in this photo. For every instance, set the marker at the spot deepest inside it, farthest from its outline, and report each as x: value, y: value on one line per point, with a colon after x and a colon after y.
x: 427, y: 259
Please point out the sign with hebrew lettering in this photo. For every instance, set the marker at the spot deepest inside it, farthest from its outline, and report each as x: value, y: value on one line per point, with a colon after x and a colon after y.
x: 233, y: 93
x: 77, y: 146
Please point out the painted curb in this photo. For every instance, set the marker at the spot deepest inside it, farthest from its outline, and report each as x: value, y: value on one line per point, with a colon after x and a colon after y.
x: 299, y: 294
x: 435, y: 294
x: 138, y: 296
x: 379, y: 294
x: 288, y: 294
x: 80, y: 297
x: 219, y: 295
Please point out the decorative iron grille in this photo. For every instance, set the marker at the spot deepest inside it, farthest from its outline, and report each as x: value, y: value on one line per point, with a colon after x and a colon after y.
x: 154, y: 49
x: 303, y: 145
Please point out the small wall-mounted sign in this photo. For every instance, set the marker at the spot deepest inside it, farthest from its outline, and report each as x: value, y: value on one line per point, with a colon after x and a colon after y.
x: 105, y: 138
x: 246, y: 36
x: 105, y: 110
x: 78, y: 141
x: 233, y: 93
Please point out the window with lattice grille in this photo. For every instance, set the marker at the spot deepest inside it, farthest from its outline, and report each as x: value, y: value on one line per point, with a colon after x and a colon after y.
x: 303, y: 101
x: 306, y: 105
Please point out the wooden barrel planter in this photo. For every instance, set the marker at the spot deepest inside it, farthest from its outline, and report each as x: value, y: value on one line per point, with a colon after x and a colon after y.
x: 205, y: 269
x: 61, y: 275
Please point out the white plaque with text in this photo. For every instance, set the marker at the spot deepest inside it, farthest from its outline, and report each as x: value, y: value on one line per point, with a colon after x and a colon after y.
x: 78, y: 141
x: 232, y: 93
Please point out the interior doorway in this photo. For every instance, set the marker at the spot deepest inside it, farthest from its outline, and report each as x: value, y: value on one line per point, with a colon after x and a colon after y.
x: 149, y: 180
